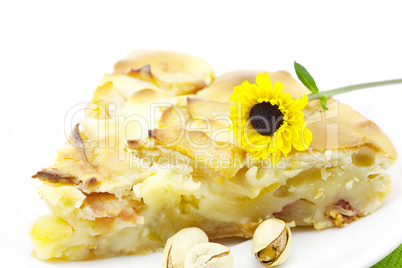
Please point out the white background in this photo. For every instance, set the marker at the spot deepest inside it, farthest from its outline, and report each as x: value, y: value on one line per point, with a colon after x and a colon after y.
x: 53, y: 54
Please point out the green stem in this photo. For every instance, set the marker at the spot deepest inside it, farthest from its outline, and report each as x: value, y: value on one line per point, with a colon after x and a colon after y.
x: 332, y: 92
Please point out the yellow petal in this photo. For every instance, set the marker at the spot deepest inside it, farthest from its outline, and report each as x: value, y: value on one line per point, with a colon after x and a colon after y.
x: 287, y: 134
x: 244, y: 93
x: 276, y: 142
x: 299, y: 145
x: 294, y: 132
x: 235, y: 96
x: 275, y: 158
x: 286, y: 147
x: 263, y: 81
x: 307, y: 135
x: 287, y: 99
x: 305, y: 139
x: 278, y: 90
x: 295, y: 116
x: 300, y: 103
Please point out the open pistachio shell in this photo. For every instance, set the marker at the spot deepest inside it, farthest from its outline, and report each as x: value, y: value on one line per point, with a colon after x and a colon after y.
x: 272, y: 242
x: 177, y: 247
x: 209, y: 255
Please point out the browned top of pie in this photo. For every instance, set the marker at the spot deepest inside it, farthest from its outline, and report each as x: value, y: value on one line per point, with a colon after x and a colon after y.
x: 190, y: 94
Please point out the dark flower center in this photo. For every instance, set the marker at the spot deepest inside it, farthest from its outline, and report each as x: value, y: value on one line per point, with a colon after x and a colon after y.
x: 266, y: 118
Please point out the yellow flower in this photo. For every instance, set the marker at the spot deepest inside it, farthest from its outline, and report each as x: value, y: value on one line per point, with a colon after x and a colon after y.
x: 266, y: 121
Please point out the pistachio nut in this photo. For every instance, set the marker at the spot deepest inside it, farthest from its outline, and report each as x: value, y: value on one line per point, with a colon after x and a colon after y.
x: 272, y: 242
x: 209, y: 255
x: 177, y: 246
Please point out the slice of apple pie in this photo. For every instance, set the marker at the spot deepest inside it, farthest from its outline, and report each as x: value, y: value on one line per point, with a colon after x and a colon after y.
x: 155, y: 154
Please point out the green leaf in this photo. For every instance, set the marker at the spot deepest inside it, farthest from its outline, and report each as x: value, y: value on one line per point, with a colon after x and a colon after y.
x: 323, y: 101
x: 306, y: 78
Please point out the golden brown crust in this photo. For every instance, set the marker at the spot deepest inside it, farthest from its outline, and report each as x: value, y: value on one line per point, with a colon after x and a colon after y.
x: 173, y: 116
x: 200, y: 108
x: 225, y: 158
x: 144, y: 73
x: 135, y: 144
x: 341, y: 128
x: 54, y: 176
x: 173, y: 71
x: 80, y: 164
x: 147, y: 95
